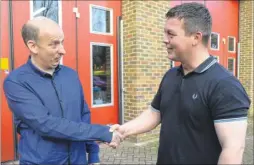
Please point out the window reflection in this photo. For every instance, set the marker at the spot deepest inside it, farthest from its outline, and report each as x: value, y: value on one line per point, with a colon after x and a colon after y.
x: 231, y: 66
x: 171, y: 64
x: 47, y: 8
x: 214, y: 41
x: 101, y: 75
x: 100, y: 20
x: 231, y: 44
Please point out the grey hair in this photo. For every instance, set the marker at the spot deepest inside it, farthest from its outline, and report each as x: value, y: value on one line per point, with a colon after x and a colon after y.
x: 29, y: 32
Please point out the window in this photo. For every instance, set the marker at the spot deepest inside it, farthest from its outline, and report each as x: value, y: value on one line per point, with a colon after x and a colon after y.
x: 171, y: 64
x: 214, y: 41
x: 47, y: 8
x: 102, y: 75
x: 231, y: 65
x: 101, y: 20
x: 231, y: 44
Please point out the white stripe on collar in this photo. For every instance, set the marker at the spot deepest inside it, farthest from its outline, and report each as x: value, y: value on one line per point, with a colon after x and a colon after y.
x: 208, y: 66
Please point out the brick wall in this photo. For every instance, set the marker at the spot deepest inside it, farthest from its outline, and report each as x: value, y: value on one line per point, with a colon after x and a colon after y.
x: 247, y: 47
x: 145, y: 59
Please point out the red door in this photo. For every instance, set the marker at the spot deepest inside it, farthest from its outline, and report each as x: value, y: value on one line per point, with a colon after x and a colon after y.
x: 97, y: 57
x: 90, y: 49
x: 29, y: 10
x: 7, y: 133
x: 224, y: 38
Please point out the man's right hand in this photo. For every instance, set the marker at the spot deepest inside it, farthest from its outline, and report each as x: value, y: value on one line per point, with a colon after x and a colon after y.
x: 120, y: 129
x: 117, y: 138
x: 145, y: 122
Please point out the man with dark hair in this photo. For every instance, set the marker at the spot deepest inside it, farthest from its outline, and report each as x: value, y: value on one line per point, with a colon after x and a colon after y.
x: 47, y: 100
x: 201, y: 106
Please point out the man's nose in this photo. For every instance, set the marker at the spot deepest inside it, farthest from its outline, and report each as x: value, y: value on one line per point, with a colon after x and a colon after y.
x: 61, y: 50
x: 165, y: 39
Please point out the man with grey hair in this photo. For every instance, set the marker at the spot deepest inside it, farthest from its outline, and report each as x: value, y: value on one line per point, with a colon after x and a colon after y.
x: 47, y: 100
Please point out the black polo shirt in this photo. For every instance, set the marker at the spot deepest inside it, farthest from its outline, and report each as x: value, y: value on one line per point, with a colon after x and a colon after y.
x: 189, y: 106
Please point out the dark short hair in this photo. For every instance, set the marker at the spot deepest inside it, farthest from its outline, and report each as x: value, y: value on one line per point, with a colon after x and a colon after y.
x: 196, y: 17
x: 29, y: 32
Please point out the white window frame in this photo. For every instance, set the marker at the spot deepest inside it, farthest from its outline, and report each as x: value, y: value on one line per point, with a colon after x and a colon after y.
x: 111, y: 73
x: 218, y: 40
x: 234, y: 51
x: 111, y: 19
x: 60, y: 12
x: 173, y: 63
x: 233, y: 64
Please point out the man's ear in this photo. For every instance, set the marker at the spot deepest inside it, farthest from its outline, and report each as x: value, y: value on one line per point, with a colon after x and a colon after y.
x: 32, y: 46
x: 197, y: 38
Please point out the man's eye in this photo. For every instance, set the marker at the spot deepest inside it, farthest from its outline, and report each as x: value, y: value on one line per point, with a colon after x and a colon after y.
x: 56, y: 43
x: 170, y: 34
x: 53, y: 45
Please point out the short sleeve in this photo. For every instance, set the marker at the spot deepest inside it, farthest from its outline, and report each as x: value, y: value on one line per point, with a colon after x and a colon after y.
x: 157, y: 98
x: 229, y: 101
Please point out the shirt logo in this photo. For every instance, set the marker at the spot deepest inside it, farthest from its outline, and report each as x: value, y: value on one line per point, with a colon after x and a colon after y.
x: 194, y: 96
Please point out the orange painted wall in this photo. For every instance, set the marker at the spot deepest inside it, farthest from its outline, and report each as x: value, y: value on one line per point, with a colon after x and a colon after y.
x: 102, y: 115
x: 7, y: 138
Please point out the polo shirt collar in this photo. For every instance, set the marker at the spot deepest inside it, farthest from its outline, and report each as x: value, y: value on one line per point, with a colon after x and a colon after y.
x: 203, y: 66
x: 38, y: 71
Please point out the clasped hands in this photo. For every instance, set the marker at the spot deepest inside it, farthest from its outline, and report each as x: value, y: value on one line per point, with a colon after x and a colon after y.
x: 118, y: 135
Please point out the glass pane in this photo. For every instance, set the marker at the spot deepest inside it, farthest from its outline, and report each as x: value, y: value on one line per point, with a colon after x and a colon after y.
x: 171, y: 64
x: 48, y: 8
x: 231, y: 45
x: 214, y: 41
x: 101, y: 75
x: 100, y: 20
x: 231, y: 65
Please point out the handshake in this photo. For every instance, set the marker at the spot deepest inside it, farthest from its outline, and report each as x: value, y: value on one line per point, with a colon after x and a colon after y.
x: 119, y: 134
